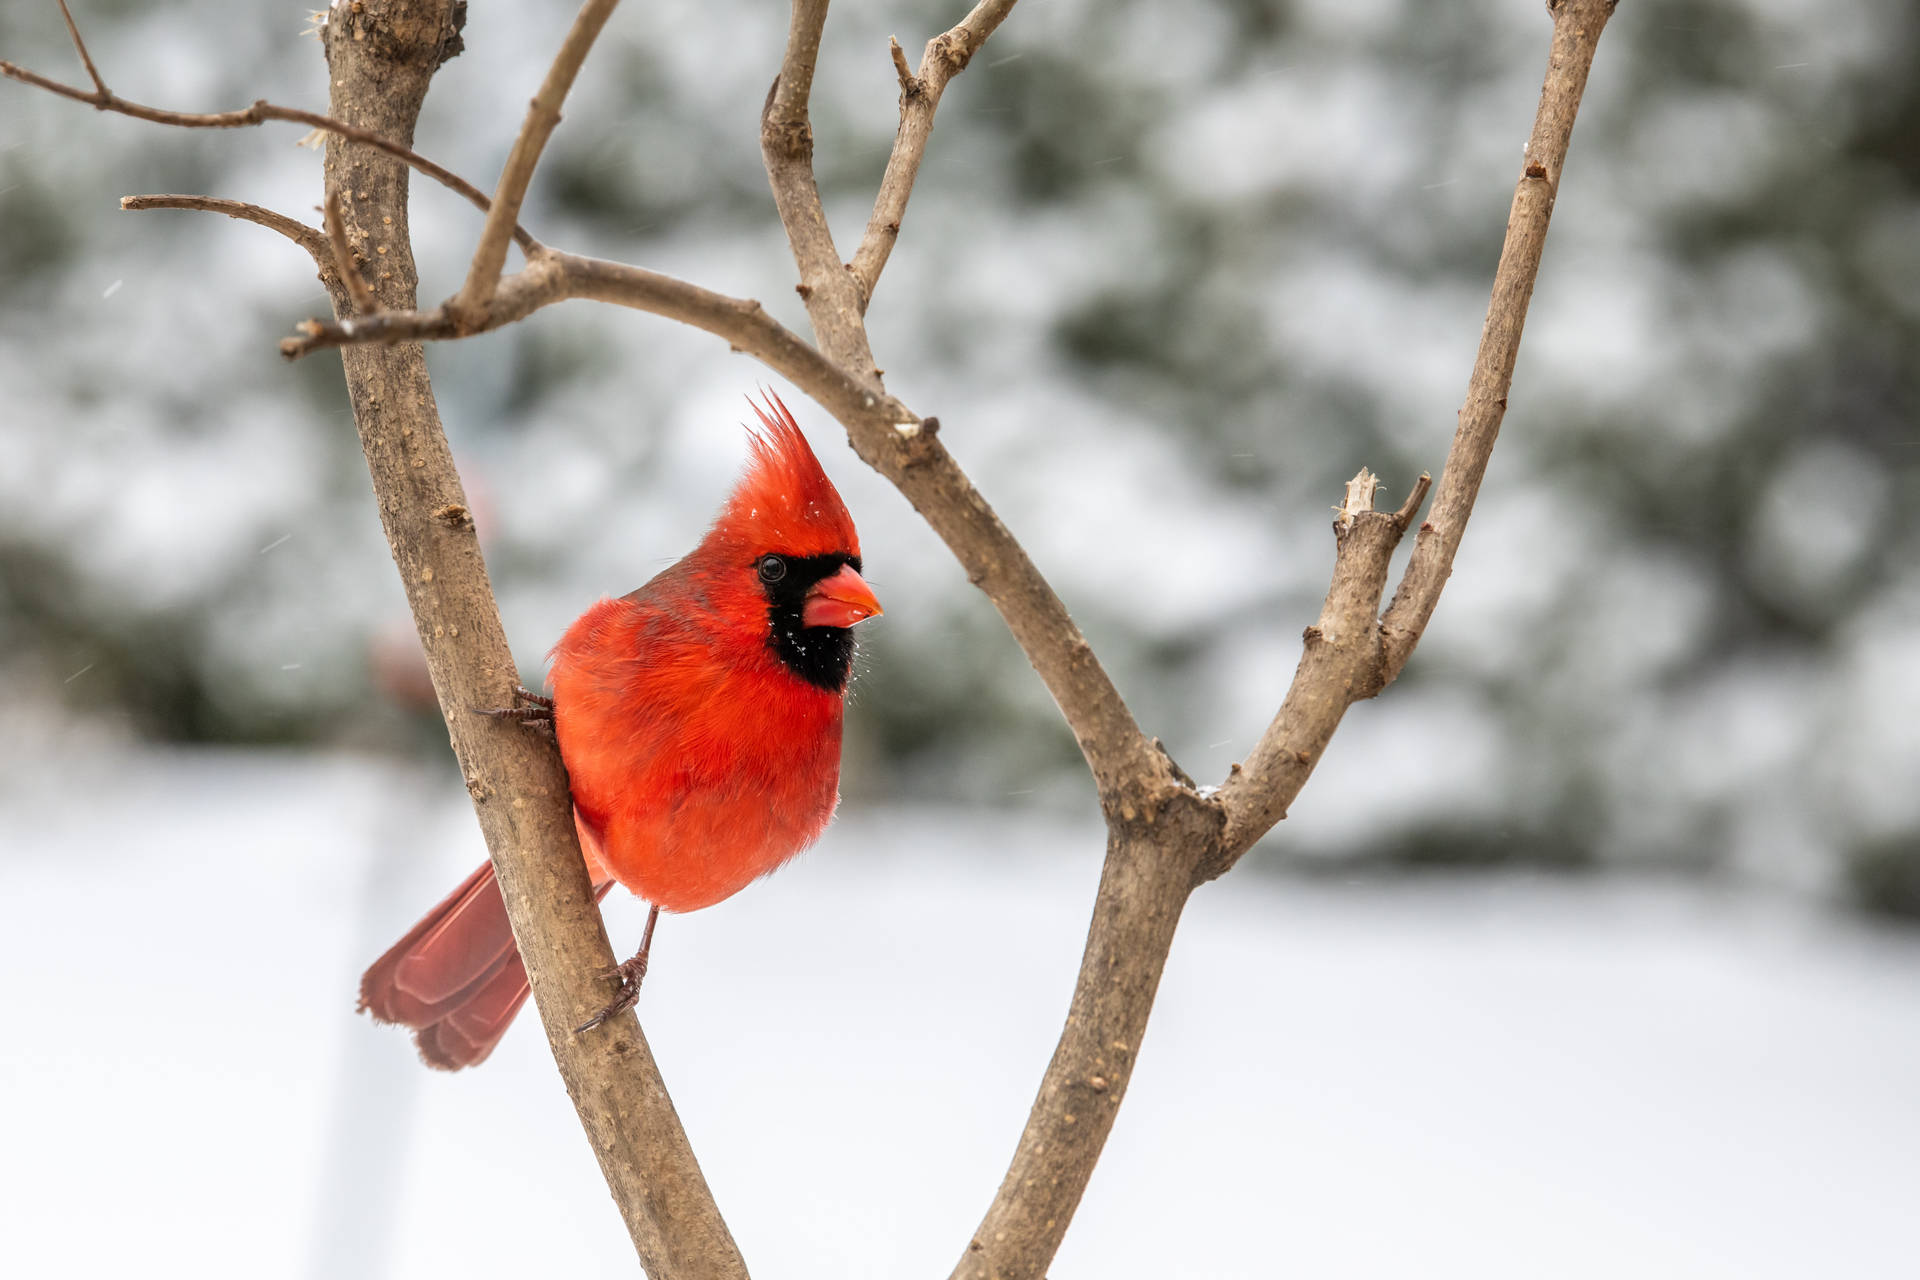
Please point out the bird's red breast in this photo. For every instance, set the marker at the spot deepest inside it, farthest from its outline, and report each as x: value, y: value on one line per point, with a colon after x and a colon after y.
x: 700, y: 716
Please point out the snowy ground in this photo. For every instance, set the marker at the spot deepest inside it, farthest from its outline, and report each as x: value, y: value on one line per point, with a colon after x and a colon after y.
x: 1487, y: 1079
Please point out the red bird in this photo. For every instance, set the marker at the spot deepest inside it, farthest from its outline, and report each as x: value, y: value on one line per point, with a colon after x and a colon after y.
x: 699, y: 718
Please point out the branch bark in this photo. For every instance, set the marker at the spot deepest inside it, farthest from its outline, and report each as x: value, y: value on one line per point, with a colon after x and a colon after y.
x: 1576, y: 31
x: 1357, y: 658
x: 543, y: 117
x: 359, y: 292
x: 833, y: 301
x: 292, y: 228
x: 381, y: 57
x: 945, y: 57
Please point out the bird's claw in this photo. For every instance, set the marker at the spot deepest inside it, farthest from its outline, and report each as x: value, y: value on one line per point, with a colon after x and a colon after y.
x: 539, y: 708
x: 629, y: 972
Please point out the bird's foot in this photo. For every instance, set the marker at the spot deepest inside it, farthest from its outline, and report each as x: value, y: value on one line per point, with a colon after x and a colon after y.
x: 629, y: 972
x: 529, y: 707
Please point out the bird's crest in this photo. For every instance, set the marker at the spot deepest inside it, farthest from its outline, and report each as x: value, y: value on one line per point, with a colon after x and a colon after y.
x: 785, y: 502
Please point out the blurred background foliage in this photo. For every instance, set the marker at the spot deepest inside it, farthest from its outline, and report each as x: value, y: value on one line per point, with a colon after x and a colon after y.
x: 1172, y: 272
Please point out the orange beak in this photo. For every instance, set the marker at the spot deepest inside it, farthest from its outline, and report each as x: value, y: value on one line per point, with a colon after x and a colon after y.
x: 839, y: 601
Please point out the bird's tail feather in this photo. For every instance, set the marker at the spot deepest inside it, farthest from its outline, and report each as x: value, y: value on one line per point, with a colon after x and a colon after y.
x: 456, y: 977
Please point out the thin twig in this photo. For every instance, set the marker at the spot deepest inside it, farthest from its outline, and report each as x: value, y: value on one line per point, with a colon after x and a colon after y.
x: 786, y: 145
x: 1576, y: 30
x: 364, y: 303
x: 1359, y: 661
x: 901, y: 71
x: 543, y: 115
x: 86, y: 59
x: 1411, y: 507
x: 787, y: 101
x: 946, y: 56
x: 259, y: 113
x: 292, y: 228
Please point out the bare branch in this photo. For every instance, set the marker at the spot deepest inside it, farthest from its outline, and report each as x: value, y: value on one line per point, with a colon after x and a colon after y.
x: 516, y: 779
x: 1352, y: 653
x: 786, y: 144
x: 357, y: 288
x: 543, y: 116
x: 946, y: 56
x: 1341, y: 665
x: 792, y: 90
x: 902, y: 72
x: 909, y: 453
x: 1404, y: 516
x: 1149, y: 872
x: 896, y: 443
x: 259, y: 113
x: 551, y: 277
x: 292, y: 228
x: 86, y: 59
x: 1577, y: 25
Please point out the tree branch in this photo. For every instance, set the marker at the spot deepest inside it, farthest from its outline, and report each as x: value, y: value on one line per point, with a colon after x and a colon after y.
x: 896, y: 443
x: 358, y: 291
x: 1348, y: 656
x: 543, y: 116
x: 1346, y: 659
x: 1149, y: 872
x: 945, y: 57
x: 80, y: 46
x: 102, y: 99
x: 1342, y: 664
x: 292, y: 228
x: 381, y: 57
x: 826, y: 285
x: 1577, y: 25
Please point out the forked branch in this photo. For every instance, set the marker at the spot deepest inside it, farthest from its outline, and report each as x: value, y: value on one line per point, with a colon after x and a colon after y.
x: 945, y: 57
x: 1349, y: 655
x: 1257, y: 796
x: 543, y: 116
x: 833, y: 301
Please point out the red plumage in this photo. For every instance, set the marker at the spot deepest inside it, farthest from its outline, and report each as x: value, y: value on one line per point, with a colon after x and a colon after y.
x: 699, y: 718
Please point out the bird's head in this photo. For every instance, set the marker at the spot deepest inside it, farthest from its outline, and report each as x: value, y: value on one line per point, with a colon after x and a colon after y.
x: 786, y: 529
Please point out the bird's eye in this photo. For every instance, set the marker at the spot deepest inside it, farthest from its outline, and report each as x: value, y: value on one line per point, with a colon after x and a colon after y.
x: 771, y: 569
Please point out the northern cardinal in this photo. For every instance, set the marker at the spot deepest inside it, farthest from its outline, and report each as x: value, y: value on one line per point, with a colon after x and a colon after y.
x: 699, y: 718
